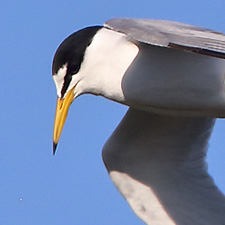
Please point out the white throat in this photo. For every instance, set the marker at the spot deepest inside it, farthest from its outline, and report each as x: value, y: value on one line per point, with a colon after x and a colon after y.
x: 106, y: 61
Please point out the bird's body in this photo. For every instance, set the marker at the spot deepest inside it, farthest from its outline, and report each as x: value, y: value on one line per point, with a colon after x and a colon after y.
x: 171, y: 76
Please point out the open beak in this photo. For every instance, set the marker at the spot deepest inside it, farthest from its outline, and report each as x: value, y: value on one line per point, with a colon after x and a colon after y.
x: 62, y: 109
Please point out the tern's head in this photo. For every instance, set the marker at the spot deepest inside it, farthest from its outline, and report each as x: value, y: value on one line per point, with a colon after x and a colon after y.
x: 92, y: 60
x: 68, y: 60
x: 66, y: 73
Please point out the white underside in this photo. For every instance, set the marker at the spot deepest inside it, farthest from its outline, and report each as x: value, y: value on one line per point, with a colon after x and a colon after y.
x: 177, y: 82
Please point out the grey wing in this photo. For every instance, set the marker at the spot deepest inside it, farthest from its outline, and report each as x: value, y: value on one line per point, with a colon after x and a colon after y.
x: 172, y: 35
x: 157, y: 162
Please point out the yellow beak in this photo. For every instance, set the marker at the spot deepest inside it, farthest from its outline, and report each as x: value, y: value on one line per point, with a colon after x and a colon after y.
x: 62, y: 109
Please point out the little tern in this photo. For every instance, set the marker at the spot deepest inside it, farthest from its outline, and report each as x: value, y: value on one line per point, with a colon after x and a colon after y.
x: 171, y: 75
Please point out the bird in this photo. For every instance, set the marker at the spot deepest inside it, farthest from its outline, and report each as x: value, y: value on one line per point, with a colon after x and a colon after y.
x: 171, y: 76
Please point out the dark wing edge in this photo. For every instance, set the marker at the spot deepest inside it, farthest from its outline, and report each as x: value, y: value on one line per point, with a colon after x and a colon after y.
x: 171, y: 35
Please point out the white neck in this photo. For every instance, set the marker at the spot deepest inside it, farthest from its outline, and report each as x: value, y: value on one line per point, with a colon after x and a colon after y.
x: 105, y: 63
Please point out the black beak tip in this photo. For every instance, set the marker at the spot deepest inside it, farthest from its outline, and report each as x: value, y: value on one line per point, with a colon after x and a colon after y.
x: 54, y: 147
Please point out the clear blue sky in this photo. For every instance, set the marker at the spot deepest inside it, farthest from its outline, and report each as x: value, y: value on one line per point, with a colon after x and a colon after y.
x: 73, y: 186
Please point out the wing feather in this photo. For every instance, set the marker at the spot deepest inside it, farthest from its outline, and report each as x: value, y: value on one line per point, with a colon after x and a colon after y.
x: 158, y: 164
x: 172, y: 35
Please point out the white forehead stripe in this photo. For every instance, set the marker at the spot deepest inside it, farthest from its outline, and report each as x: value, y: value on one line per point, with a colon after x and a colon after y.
x: 59, y: 79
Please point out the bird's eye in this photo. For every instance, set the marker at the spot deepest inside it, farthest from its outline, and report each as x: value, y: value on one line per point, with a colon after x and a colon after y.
x: 73, y: 69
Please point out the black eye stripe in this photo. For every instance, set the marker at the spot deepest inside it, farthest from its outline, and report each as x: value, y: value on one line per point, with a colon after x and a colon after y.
x: 67, y: 80
x: 71, y: 70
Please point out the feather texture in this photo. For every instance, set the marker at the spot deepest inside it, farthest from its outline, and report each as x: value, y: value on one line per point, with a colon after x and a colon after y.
x: 171, y: 34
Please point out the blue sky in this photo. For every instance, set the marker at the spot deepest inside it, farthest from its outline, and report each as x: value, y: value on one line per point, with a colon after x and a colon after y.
x: 73, y: 186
